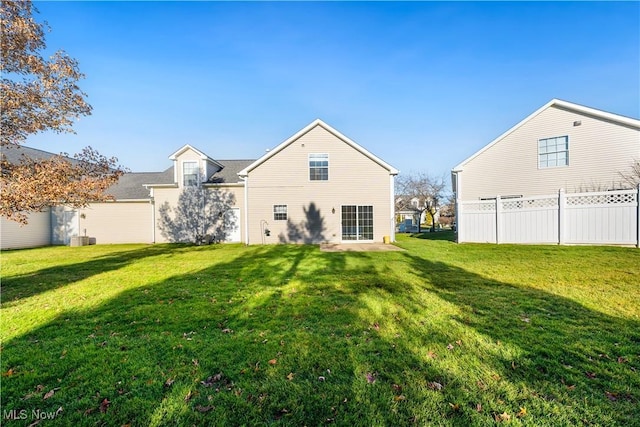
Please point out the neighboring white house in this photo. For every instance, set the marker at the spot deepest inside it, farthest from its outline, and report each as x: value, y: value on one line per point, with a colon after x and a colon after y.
x: 317, y: 186
x: 561, y: 146
x: 407, y: 212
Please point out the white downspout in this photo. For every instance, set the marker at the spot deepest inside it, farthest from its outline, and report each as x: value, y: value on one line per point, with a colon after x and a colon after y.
x: 392, y: 208
x: 246, y: 209
x: 458, y: 207
x: 153, y: 216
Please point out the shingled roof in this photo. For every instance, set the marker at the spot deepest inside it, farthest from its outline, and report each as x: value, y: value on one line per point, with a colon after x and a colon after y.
x: 14, y: 154
x: 131, y: 186
x: 229, y: 173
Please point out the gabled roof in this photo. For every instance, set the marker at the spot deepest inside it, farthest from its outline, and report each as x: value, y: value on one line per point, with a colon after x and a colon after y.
x: 195, y: 150
x: 228, y: 174
x: 130, y: 186
x: 317, y: 122
x: 14, y: 153
x: 588, y: 111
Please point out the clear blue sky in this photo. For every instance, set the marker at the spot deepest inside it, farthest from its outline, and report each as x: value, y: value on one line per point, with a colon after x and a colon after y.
x: 421, y: 85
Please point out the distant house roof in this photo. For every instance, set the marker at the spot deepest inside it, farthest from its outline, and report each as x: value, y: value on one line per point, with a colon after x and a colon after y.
x: 14, y: 153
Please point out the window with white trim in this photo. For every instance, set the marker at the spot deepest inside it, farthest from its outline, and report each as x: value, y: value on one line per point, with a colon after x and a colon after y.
x: 318, y: 167
x: 357, y: 222
x: 553, y: 152
x: 190, y: 172
x: 279, y: 212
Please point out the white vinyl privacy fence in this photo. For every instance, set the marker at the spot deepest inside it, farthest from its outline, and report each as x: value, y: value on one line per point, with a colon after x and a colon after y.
x: 606, y: 218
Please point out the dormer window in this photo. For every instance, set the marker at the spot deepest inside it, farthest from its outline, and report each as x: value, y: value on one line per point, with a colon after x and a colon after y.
x: 190, y: 172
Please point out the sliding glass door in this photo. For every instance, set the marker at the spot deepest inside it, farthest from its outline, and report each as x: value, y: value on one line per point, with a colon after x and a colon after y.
x: 357, y: 222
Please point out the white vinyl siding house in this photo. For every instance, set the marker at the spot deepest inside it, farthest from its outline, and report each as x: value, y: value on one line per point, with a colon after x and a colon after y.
x: 600, y: 146
x: 555, y: 177
x: 317, y: 186
x: 36, y: 233
x: 318, y: 210
x: 117, y: 222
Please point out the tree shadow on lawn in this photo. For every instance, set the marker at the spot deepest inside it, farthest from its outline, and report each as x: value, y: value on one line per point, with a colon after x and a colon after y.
x: 447, y: 235
x: 567, y: 351
x: 15, y: 288
x: 305, y: 337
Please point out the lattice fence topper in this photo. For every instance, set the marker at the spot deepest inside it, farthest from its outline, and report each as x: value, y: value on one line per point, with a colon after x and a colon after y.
x: 547, y: 202
x: 602, y: 199
x: 480, y: 207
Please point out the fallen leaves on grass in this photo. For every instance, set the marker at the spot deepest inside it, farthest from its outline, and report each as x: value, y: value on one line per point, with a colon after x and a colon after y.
x: 611, y: 396
x: 273, y: 361
x: 212, y: 380
x: 434, y: 385
x: 502, y: 417
x: 371, y: 377
x: 450, y: 346
x: 50, y: 393
x: 168, y: 382
x: 188, y: 396
x: 522, y: 412
x: 290, y: 376
x: 104, y: 405
x: 591, y: 375
x: 431, y: 355
x: 39, y: 388
x: 204, y: 409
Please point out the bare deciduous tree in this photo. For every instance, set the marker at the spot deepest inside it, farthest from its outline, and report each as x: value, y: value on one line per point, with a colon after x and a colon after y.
x: 40, y: 94
x: 426, y: 189
x: 200, y: 217
x: 632, y: 177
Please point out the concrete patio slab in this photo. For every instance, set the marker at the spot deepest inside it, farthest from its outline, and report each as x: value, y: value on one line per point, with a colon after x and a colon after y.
x: 359, y: 247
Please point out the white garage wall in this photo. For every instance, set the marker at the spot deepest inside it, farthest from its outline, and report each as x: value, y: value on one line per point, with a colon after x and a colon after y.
x: 36, y: 233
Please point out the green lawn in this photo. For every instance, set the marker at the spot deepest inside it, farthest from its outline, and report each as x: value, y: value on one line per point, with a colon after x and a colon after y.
x: 442, y: 334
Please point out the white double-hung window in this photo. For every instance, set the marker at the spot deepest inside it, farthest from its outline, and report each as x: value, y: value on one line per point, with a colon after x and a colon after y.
x: 279, y: 212
x: 318, y: 167
x: 553, y: 152
x: 190, y: 172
